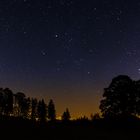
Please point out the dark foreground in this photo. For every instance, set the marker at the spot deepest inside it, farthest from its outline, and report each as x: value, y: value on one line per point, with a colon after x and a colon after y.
x: 82, y: 130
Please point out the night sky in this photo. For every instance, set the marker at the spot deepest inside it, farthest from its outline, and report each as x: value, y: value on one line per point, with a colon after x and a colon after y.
x: 68, y: 50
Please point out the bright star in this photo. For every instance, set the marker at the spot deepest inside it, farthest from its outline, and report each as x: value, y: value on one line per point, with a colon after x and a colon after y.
x: 56, y: 36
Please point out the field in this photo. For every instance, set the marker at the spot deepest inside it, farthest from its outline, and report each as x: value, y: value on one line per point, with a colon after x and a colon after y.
x: 70, y: 131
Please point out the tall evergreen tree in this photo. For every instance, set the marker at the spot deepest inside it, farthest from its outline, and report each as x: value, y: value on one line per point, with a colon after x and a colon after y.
x: 42, y: 111
x: 2, y: 102
x: 8, y: 96
x: 26, y: 108
x: 34, y: 104
x: 66, y: 115
x: 20, y: 101
x: 51, y: 111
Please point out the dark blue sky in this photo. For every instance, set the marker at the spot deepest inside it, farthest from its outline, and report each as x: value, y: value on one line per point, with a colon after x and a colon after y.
x: 68, y: 50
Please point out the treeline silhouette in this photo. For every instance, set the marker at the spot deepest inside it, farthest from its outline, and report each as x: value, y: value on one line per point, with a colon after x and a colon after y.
x: 121, y: 100
x: 118, y: 119
x: 18, y: 105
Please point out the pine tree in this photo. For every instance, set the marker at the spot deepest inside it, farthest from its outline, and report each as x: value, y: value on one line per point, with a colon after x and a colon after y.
x: 66, y: 115
x: 51, y: 111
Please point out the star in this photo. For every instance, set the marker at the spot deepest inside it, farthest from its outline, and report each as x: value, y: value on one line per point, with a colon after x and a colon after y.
x: 56, y: 35
x: 24, y: 32
x: 91, y: 51
x: 43, y: 53
x: 139, y: 70
x: 118, y: 19
x: 88, y: 72
x: 58, y: 69
x: 95, y: 8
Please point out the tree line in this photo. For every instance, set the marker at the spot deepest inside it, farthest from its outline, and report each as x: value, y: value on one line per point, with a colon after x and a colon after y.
x: 18, y: 105
x: 121, y: 99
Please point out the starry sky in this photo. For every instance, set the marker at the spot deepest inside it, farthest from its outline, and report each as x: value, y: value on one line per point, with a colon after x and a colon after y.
x: 68, y: 50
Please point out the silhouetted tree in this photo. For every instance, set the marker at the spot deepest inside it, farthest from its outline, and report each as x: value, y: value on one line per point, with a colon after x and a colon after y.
x: 34, y: 104
x: 42, y: 111
x: 2, y: 102
x: 26, y: 108
x: 20, y: 101
x: 66, y: 115
x: 51, y: 111
x: 137, y: 96
x: 119, y: 99
x: 8, y: 98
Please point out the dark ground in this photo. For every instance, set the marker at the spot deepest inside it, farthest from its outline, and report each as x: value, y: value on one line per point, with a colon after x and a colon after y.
x: 21, y: 129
